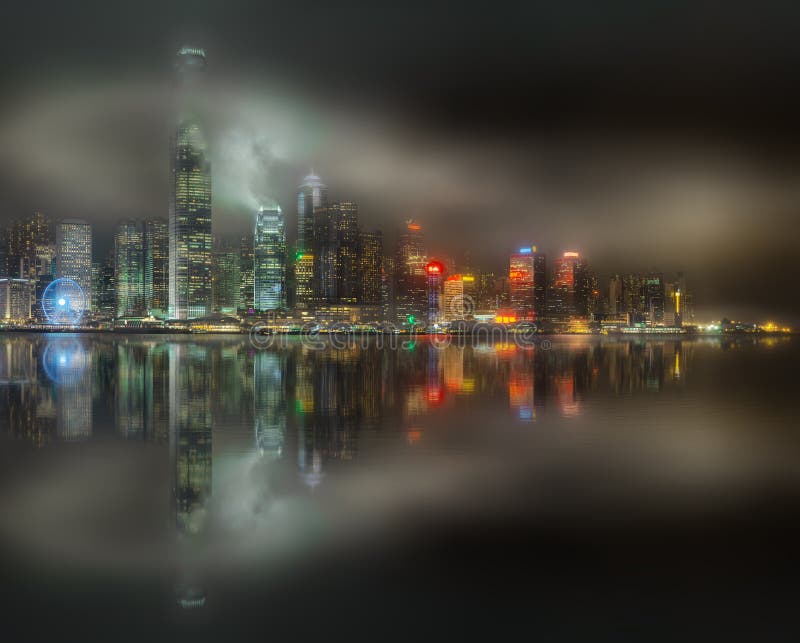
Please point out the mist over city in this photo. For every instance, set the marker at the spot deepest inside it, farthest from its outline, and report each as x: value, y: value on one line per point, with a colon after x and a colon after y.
x: 332, y: 321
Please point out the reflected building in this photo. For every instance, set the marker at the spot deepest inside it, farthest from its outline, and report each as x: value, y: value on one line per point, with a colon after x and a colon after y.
x: 67, y: 362
x: 269, y: 402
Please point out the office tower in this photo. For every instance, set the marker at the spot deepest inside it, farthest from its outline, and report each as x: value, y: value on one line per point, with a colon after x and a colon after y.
x: 15, y: 299
x: 269, y: 260
x: 335, y: 251
x: 129, y: 270
x: 453, y: 298
x: 190, y: 244
x: 30, y: 247
x: 105, y: 286
x: 388, y: 288
x: 654, y: 298
x: 311, y: 194
x: 410, y: 276
x: 435, y: 274
x: 527, y: 285
x: 615, y: 296
x: 370, y: 268
x: 74, y: 254
x: 156, y: 267
x: 571, y: 288
x: 246, y: 274
x: 303, y: 279
x: 633, y: 297
x: 227, y: 280
x: 3, y: 252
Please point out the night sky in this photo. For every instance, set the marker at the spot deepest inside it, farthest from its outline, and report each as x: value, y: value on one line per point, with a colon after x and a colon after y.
x: 659, y: 135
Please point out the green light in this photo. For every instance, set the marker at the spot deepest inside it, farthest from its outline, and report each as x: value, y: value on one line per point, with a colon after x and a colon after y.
x: 411, y: 319
x: 298, y: 256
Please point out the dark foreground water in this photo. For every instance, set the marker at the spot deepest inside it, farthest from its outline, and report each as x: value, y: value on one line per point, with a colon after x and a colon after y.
x: 594, y: 489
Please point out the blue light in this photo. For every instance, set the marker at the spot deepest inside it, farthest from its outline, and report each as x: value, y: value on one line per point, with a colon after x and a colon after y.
x: 525, y: 251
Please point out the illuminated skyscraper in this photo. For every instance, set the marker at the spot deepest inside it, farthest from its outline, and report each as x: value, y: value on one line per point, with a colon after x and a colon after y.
x: 370, y: 265
x: 74, y: 254
x: 335, y: 253
x: 247, y: 288
x: 190, y: 244
x: 30, y: 247
x: 410, y: 276
x: 156, y: 267
x: 129, y: 273
x: 227, y: 280
x: 3, y: 252
x: 270, y: 260
x: 303, y: 278
x: 435, y: 274
x: 105, y: 288
x: 571, y: 289
x: 527, y: 283
x: 453, y: 298
x: 311, y: 194
x: 654, y: 298
x: 15, y: 299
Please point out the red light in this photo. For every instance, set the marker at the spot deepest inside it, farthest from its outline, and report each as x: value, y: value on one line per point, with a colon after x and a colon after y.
x: 434, y: 268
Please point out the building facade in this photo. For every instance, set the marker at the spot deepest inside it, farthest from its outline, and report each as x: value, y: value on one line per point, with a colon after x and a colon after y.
x: 269, y: 260
x: 74, y: 254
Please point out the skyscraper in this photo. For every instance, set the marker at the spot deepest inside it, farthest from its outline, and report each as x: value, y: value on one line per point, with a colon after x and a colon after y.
x: 105, y: 286
x: 453, y: 298
x: 129, y: 272
x: 571, y: 287
x: 227, y: 280
x: 410, y: 275
x: 74, y: 254
x: 190, y: 243
x: 30, y: 247
x: 247, y: 279
x: 311, y: 194
x: 156, y: 267
x: 3, y: 252
x: 527, y: 283
x: 435, y: 274
x: 335, y: 250
x: 269, y: 260
x: 370, y: 267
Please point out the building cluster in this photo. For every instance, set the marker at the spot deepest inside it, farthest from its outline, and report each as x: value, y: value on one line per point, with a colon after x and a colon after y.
x: 334, y: 271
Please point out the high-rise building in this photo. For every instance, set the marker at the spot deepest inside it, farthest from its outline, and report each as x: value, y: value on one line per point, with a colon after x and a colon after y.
x: 74, y: 254
x: 615, y: 297
x: 227, y: 280
x: 190, y: 242
x: 104, y: 286
x: 654, y: 298
x: 435, y: 274
x: 246, y: 275
x: 527, y: 285
x: 3, y: 253
x: 30, y: 247
x: 156, y: 267
x: 15, y: 299
x: 311, y: 194
x: 335, y: 251
x: 129, y: 271
x: 269, y: 260
x: 370, y: 268
x: 303, y: 279
x: 453, y: 298
x: 410, y: 276
x: 571, y: 288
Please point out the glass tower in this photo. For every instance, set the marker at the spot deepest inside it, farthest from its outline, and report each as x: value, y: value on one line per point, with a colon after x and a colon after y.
x: 129, y: 271
x: 74, y: 254
x: 269, y: 260
x: 190, y: 244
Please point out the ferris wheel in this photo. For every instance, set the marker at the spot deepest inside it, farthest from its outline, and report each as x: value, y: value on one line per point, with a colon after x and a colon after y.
x: 63, y: 302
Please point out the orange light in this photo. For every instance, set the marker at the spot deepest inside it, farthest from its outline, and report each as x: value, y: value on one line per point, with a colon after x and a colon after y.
x: 572, y: 254
x: 416, y: 227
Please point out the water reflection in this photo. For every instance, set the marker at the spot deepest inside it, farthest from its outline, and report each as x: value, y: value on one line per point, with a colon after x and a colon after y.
x: 315, y: 402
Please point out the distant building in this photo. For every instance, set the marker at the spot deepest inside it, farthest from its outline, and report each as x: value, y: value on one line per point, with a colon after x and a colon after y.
x: 129, y: 270
x: 311, y: 194
x: 435, y: 275
x: 30, y: 247
x: 15, y: 300
x: 269, y: 260
x: 104, y: 287
x: 527, y: 283
x: 227, y: 280
x: 410, y: 276
x: 246, y: 274
x: 303, y: 279
x: 453, y: 298
x: 156, y: 267
x: 370, y: 268
x: 571, y: 290
x: 335, y: 250
x: 74, y: 254
x: 654, y: 293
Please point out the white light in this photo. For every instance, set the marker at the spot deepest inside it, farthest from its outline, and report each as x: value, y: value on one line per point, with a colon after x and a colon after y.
x: 62, y: 302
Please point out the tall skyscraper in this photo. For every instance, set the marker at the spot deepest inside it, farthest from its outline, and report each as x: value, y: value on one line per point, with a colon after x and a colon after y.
x: 312, y: 193
x: 435, y: 273
x: 190, y: 243
x: 370, y: 268
x: 572, y: 288
x: 269, y: 260
x: 3, y: 252
x: 453, y: 298
x: 246, y: 275
x: 156, y: 267
x: 527, y: 285
x: 31, y: 247
x: 129, y: 272
x: 74, y: 254
x: 105, y: 286
x: 654, y: 298
x: 410, y: 276
x: 227, y: 280
x: 615, y: 299
x: 335, y: 250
